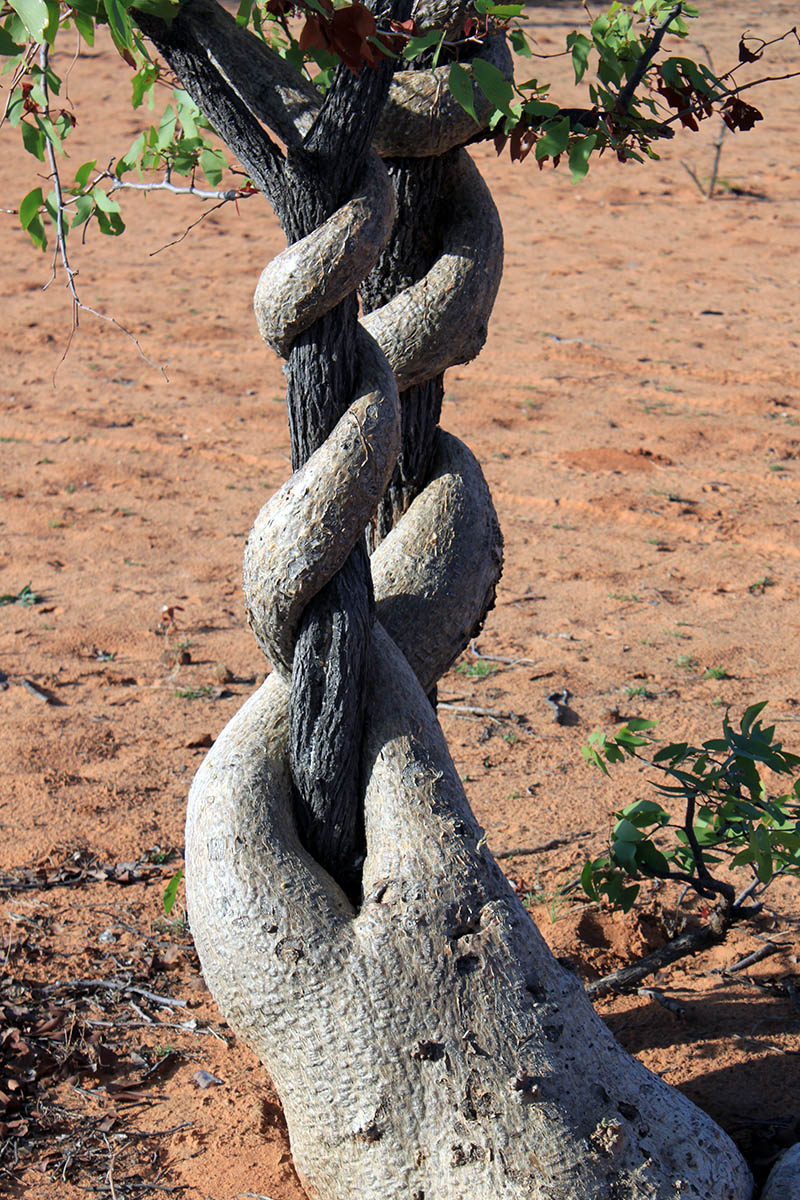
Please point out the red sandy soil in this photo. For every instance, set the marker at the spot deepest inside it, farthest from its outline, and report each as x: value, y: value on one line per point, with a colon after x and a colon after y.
x: 637, y: 412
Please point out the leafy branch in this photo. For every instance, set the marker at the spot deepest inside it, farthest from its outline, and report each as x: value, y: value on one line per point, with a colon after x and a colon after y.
x: 635, y: 95
x: 726, y: 818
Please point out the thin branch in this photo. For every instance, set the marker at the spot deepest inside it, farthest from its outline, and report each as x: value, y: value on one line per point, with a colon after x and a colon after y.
x: 756, y: 956
x: 627, y: 979
x: 706, y: 884
x: 744, y: 87
x: 470, y: 710
x: 763, y: 46
x: 111, y: 985
x: 21, y: 70
x: 164, y: 185
x: 665, y: 1001
x: 61, y: 241
x: 176, y: 241
x: 61, y: 233
x: 512, y: 662
x: 712, y: 183
x: 626, y: 95
x: 690, y: 171
x: 181, y: 46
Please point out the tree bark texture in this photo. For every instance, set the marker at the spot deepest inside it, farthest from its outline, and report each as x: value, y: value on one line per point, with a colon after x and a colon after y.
x: 423, y: 1040
x: 415, y: 244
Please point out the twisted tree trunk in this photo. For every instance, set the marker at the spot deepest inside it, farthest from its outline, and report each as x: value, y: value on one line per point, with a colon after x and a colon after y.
x: 424, y: 1042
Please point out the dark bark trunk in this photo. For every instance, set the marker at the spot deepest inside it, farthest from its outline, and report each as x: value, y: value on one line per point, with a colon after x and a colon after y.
x: 414, y: 246
x: 326, y: 714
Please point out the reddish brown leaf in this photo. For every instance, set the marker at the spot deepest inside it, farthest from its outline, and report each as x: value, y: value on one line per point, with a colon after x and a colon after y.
x: 745, y: 55
x: 739, y: 115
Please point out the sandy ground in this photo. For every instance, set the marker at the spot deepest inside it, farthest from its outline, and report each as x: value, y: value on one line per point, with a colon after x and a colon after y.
x: 637, y: 412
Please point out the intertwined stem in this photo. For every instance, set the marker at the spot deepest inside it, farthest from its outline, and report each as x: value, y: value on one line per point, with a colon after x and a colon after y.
x: 425, y: 1044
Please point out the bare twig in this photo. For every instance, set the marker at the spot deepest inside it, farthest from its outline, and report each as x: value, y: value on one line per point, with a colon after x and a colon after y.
x: 695, y: 177
x: 38, y: 692
x: 176, y: 241
x: 110, y: 1172
x: 156, y: 1133
x: 61, y: 239
x: 511, y: 662
x: 762, y: 1045
x: 665, y: 1001
x: 527, y: 598
x: 756, y: 956
x: 111, y: 985
x: 469, y: 710
x: 166, y: 185
x: 712, y: 183
x: 627, y: 979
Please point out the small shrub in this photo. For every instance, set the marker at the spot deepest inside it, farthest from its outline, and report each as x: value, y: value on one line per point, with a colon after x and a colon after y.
x: 727, y: 820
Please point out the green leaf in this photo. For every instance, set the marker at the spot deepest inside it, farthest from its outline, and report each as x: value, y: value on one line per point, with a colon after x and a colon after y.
x: 650, y: 859
x: 554, y: 140
x: 587, y: 880
x: 626, y: 831
x: 165, y: 10
x: 33, y: 140
x: 51, y: 206
x: 460, y: 84
x: 213, y: 165
x: 581, y: 47
x: 540, y: 108
x: 84, y: 25
x: 504, y: 12
x: 130, y: 160
x: 119, y: 24
x: 645, y: 812
x: 762, y: 850
x: 84, y: 206
x: 750, y: 714
x: 171, y: 891
x: 49, y: 130
x: 166, y: 128
x: 34, y: 16
x: 53, y: 15
x: 8, y: 47
x: 143, y: 82
x: 519, y: 43
x: 593, y: 758
x: 624, y: 854
x: 418, y: 45
x: 37, y: 234
x: 495, y: 87
x: 104, y: 201
x: 638, y: 724
x: 29, y: 207
x: 83, y: 172
x: 579, y: 154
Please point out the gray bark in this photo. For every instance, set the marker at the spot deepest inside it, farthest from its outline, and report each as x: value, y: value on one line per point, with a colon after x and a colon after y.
x: 428, y: 1045
x: 783, y: 1182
